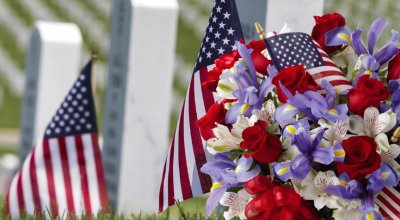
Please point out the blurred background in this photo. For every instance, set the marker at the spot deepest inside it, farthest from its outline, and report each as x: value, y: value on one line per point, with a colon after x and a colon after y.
x: 17, y: 18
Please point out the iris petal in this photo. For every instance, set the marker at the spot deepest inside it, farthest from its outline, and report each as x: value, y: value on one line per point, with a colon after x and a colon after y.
x: 375, y: 32
x: 338, y: 36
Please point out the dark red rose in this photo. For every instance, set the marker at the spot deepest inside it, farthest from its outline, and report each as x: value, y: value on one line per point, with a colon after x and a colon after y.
x: 274, y: 202
x: 324, y: 24
x: 225, y: 61
x: 394, y: 68
x: 361, y: 157
x: 260, y: 61
x: 294, y: 78
x: 216, y: 114
x: 263, y: 146
x: 369, y: 93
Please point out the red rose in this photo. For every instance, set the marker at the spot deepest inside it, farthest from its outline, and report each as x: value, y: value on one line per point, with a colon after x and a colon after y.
x: 394, y: 68
x: 294, y: 78
x: 361, y: 157
x: 324, y: 24
x: 369, y: 92
x: 263, y: 146
x: 274, y: 202
x: 216, y: 114
x: 260, y: 61
x: 225, y: 61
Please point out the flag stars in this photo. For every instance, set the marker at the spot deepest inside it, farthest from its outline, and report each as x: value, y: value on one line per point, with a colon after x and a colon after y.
x: 222, y: 25
x: 230, y: 31
x: 214, y: 19
x: 221, y: 50
x: 234, y: 47
x: 210, y: 29
x: 208, y: 54
x: 218, y: 9
x: 217, y: 35
x: 226, y: 15
x: 212, y: 44
x: 225, y: 40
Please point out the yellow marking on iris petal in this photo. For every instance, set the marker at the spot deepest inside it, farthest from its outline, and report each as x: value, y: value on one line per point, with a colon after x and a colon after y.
x: 216, y: 185
x: 344, y: 37
x: 339, y: 90
x: 283, y: 171
x: 368, y: 72
x: 384, y: 175
x: 370, y: 216
x: 245, y: 107
x: 289, y: 107
x: 291, y: 129
x: 237, y: 169
x: 343, y: 183
x: 233, y: 69
x: 339, y: 153
x: 332, y: 111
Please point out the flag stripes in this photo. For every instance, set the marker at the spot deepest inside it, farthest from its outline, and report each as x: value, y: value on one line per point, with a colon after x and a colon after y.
x: 330, y: 72
x: 388, y: 200
x: 184, y: 161
x: 60, y: 175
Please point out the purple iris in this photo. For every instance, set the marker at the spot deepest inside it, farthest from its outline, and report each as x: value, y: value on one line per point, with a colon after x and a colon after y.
x: 371, y: 61
x: 352, y: 189
x: 227, y: 174
x: 309, y: 151
x: 251, y: 93
x: 312, y: 104
x: 394, y: 86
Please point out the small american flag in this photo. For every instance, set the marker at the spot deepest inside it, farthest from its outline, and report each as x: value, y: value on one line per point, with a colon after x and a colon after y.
x: 296, y: 48
x: 388, y: 201
x: 63, y: 173
x: 182, y: 178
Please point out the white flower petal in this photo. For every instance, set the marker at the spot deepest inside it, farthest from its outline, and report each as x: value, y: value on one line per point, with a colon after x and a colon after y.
x: 371, y: 121
x: 383, y: 142
x: 356, y: 125
x: 386, y: 121
x: 392, y: 153
x: 340, y: 129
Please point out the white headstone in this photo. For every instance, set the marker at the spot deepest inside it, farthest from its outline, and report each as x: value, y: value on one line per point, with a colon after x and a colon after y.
x: 138, y: 99
x: 53, y: 60
x: 273, y: 14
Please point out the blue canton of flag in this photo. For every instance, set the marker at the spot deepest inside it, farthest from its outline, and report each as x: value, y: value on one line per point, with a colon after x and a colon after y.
x: 182, y: 178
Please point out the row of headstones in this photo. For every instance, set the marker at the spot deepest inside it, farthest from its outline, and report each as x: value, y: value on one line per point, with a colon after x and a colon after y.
x: 139, y: 85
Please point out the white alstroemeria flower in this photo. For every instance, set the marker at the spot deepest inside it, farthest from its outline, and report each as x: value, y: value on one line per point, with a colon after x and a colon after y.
x: 266, y: 114
x: 225, y: 88
x: 346, y: 58
x: 374, y: 125
x: 313, y: 188
x: 336, y: 131
x: 390, y: 156
x: 224, y: 140
x: 236, y: 202
x: 348, y: 210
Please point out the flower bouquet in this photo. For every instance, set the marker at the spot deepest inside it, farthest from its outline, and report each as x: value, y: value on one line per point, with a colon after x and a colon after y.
x: 306, y: 127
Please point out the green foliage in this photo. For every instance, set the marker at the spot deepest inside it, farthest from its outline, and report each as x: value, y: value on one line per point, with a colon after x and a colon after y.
x: 11, y: 46
x: 10, y: 107
x: 23, y: 14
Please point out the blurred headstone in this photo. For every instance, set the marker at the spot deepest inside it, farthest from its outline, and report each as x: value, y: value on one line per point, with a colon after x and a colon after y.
x: 53, y: 59
x: 138, y: 101
x: 273, y: 14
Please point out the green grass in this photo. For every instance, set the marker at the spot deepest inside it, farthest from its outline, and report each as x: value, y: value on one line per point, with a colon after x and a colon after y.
x: 100, y: 16
x: 60, y: 13
x: 10, y: 109
x: 23, y: 13
x: 188, y: 43
x: 11, y: 46
x: 192, y: 209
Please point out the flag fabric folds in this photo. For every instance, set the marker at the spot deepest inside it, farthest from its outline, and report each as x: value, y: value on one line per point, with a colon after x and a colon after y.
x: 182, y: 178
x: 297, y: 48
x: 63, y: 174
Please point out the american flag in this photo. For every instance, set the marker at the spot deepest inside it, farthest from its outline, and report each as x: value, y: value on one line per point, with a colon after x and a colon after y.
x: 388, y: 201
x: 296, y: 48
x: 182, y: 178
x: 63, y: 173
